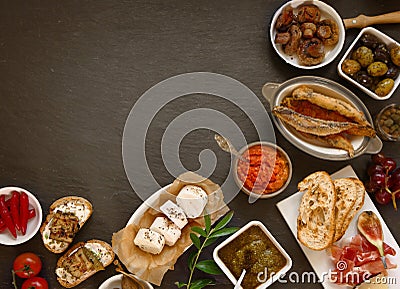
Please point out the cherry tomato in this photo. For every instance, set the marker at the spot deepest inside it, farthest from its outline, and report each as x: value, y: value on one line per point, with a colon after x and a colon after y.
x: 35, y: 283
x: 27, y: 265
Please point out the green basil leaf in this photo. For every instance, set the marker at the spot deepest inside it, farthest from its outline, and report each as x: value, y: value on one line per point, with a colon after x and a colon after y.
x: 200, y: 231
x: 209, y: 267
x: 224, y: 221
x: 195, y: 240
x: 180, y: 284
x: 224, y: 232
x: 201, y: 283
x: 207, y: 221
x: 191, y: 259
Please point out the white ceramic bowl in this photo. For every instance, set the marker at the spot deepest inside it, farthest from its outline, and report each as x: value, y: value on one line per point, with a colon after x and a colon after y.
x: 229, y: 274
x: 114, y: 282
x: 384, y: 39
x: 33, y: 224
x: 327, y: 12
x: 284, y: 154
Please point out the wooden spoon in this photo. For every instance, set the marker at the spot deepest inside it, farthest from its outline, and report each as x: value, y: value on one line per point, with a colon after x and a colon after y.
x: 362, y: 20
x: 139, y: 284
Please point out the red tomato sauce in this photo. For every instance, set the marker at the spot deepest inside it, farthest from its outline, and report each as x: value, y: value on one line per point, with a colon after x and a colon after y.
x: 269, y: 165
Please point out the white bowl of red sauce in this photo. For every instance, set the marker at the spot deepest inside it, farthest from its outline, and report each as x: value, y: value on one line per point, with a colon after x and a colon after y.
x: 265, y: 169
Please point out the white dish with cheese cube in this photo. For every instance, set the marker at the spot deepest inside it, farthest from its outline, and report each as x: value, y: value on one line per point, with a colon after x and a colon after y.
x: 192, y: 199
x: 175, y: 213
x: 167, y: 228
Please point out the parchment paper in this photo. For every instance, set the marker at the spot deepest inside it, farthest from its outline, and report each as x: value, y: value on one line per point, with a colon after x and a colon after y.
x: 151, y: 267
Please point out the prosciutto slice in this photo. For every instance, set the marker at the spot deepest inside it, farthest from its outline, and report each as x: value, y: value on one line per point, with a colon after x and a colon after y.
x: 358, y: 261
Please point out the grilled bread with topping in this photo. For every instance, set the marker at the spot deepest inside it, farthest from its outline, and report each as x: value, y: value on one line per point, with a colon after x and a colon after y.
x: 66, y: 217
x: 82, y: 261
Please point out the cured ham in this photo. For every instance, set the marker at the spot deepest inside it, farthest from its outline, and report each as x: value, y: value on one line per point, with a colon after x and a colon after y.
x: 358, y: 261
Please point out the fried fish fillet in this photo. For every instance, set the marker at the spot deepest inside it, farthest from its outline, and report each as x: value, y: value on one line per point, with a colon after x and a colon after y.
x: 330, y: 103
x: 335, y: 140
x: 313, y: 125
x: 309, y: 109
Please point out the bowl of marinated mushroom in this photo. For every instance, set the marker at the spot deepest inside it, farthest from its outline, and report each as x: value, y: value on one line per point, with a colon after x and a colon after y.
x: 372, y: 63
x: 307, y: 34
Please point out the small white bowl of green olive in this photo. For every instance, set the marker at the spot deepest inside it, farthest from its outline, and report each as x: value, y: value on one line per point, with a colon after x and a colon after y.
x: 372, y: 63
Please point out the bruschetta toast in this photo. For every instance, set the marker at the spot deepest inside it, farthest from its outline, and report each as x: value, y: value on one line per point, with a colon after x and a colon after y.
x: 66, y: 217
x: 83, y: 260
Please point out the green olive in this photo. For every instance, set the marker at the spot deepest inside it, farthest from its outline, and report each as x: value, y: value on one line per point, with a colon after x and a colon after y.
x: 395, y: 55
x: 350, y: 66
x: 363, y: 55
x: 377, y: 68
x: 384, y: 87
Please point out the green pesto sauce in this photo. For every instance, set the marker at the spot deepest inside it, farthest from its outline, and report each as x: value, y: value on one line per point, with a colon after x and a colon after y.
x: 252, y: 250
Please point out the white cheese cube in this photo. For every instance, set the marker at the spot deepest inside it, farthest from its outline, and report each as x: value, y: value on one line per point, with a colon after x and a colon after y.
x: 167, y: 228
x: 192, y: 199
x: 149, y: 241
x: 174, y: 213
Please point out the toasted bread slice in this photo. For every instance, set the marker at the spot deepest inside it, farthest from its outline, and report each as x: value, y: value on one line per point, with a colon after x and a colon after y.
x: 346, y: 194
x: 315, y: 223
x: 352, y: 193
x: 82, y: 261
x: 66, y: 217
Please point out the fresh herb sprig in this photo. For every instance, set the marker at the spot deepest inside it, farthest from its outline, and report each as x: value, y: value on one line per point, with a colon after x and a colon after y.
x: 210, y: 235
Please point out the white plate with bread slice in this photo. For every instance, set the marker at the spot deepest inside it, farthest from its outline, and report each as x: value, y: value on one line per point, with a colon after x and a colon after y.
x: 320, y: 260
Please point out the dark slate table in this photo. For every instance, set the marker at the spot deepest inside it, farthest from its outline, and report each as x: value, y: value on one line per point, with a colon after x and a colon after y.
x: 71, y: 72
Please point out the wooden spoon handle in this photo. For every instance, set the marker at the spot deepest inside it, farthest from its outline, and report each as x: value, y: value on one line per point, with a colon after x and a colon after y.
x: 362, y: 21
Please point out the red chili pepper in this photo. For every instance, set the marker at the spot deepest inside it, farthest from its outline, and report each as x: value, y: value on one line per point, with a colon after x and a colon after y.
x: 6, y: 216
x: 31, y: 214
x: 8, y: 203
x: 23, y: 211
x: 3, y: 228
x: 14, y: 209
x: 2, y: 225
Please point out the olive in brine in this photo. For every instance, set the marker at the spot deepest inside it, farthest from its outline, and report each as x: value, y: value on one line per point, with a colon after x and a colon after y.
x: 384, y: 87
x: 363, y: 55
x: 350, y: 66
x: 382, y: 53
x: 393, y: 71
x: 369, y: 40
x: 395, y: 55
x: 377, y: 68
x: 364, y: 79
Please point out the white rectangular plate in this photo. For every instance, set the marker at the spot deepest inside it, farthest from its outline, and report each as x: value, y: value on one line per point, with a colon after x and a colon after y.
x: 320, y: 260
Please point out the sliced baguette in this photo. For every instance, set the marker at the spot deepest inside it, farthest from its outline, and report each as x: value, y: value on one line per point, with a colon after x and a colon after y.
x: 315, y: 222
x: 346, y: 197
x: 352, y: 194
x: 101, y: 253
x: 78, y: 207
